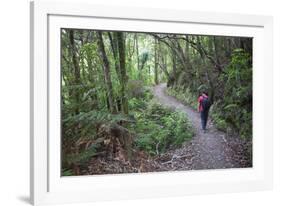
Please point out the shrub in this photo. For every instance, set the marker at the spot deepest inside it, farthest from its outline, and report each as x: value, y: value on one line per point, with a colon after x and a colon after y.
x: 80, y: 133
x: 184, y: 95
x: 236, y: 108
x: 159, y: 128
x: 135, y: 89
x: 232, y: 111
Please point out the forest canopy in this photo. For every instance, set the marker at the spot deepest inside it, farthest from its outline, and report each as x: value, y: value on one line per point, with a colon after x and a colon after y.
x: 111, y: 121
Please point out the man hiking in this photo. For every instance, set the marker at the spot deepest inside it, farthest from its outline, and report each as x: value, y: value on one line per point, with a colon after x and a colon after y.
x: 203, y: 107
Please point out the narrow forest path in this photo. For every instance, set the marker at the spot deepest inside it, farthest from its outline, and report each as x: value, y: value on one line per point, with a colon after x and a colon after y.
x: 210, y: 150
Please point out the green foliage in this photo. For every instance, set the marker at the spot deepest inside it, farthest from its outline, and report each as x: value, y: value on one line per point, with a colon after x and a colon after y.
x: 81, y: 157
x: 67, y: 172
x: 107, y: 79
x: 159, y: 128
x: 219, y: 120
x: 140, y: 95
x: 88, y: 122
x: 184, y: 95
x: 202, y: 88
x: 143, y: 59
x: 236, y: 107
x: 83, y: 127
x: 136, y: 88
x: 233, y: 110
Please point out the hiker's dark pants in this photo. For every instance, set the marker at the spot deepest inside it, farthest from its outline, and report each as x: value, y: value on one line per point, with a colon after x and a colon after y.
x: 204, y: 119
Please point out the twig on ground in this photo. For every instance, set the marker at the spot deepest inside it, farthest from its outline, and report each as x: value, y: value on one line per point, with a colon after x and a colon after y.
x: 174, y: 158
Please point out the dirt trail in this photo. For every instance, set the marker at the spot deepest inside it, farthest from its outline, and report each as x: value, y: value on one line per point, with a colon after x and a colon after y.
x: 210, y: 150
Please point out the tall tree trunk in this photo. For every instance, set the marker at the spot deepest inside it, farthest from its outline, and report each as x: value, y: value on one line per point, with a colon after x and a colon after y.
x: 138, y: 60
x: 124, y: 78
x: 246, y: 44
x: 114, y: 48
x: 107, y: 75
x: 228, y: 47
x: 155, y: 62
x: 130, y: 52
x: 163, y: 62
x: 187, y: 54
x: 75, y: 62
x: 216, y: 50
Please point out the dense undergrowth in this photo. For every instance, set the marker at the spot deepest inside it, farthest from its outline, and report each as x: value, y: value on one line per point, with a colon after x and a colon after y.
x: 149, y: 127
x: 158, y: 128
x: 184, y: 95
x: 232, y: 109
x: 109, y: 120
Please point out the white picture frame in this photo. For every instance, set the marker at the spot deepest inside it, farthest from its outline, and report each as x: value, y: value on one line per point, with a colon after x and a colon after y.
x: 47, y: 186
